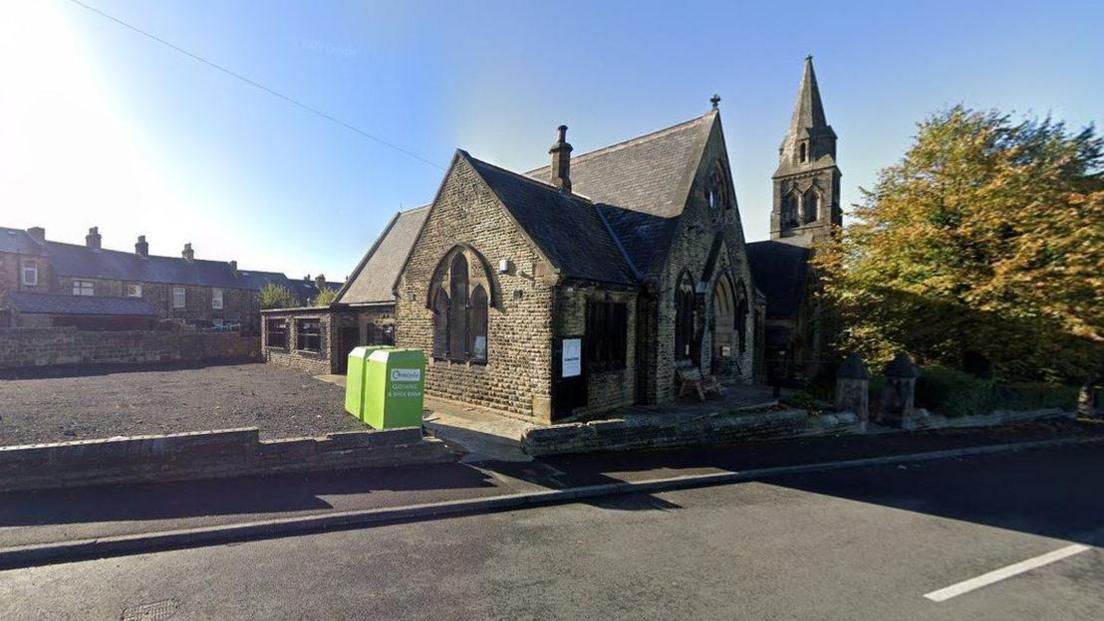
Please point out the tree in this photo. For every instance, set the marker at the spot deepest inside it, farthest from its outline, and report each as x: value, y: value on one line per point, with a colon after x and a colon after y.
x: 982, y: 249
x: 277, y: 296
x: 325, y: 297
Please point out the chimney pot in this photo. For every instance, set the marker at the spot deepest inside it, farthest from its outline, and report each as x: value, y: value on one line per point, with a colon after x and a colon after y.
x: 141, y: 248
x: 234, y: 266
x: 92, y: 240
x: 37, y: 233
x: 320, y: 281
x: 188, y: 253
x: 561, y: 160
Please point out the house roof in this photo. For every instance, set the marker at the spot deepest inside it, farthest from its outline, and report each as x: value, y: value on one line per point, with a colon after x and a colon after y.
x: 780, y: 271
x: 567, y: 228
x: 49, y: 304
x: 18, y: 241
x: 375, y: 275
x: 80, y: 261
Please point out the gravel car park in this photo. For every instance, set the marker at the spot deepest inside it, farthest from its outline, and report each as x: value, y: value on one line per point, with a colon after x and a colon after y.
x: 58, y: 405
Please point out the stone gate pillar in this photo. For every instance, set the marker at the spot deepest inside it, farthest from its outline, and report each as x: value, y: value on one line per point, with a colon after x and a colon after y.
x: 1086, y: 399
x: 852, y: 387
x: 898, y: 402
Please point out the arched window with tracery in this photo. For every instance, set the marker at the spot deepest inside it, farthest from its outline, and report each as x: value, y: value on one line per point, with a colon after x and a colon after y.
x: 789, y: 209
x: 684, y: 317
x: 810, y: 204
x: 742, y: 310
x: 717, y: 189
x: 460, y: 297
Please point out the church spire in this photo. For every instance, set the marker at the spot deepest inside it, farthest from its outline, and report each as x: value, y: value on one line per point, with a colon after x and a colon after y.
x: 808, y: 113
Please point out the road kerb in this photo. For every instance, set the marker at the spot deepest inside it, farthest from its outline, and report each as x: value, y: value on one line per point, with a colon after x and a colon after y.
x: 121, y: 545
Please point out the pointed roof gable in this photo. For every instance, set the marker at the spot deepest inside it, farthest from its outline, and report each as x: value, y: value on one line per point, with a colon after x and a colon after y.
x: 566, y: 228
x: 374, y: 277
x: 651, y: 174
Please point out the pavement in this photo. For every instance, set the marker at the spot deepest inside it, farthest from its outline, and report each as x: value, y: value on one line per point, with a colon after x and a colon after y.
x: 1013, y: 535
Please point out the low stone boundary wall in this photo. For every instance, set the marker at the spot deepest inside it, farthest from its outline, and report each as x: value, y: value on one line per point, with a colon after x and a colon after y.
x: 655, y: 432
x: 39, y: 347
x: 208, y: 454
x: 925, y: 420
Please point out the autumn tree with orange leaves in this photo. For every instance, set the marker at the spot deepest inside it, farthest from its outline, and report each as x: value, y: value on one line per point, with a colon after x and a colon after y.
x: 982, y: 249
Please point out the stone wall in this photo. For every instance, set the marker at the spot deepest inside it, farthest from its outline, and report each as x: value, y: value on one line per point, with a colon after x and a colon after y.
x: 517, y: 375
x: 315, y: 363
x: 208, y: 454
x: 31, y: 347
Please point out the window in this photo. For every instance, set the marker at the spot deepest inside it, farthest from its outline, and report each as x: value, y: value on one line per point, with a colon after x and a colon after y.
x: 607, y: 325
x: 134, y: 291
x: 460, y: 309
x: 717, y: 193
x: 30, y: 274
x: 84, y: 287
x: 180, y: 297
x: 803, y: 152
x: 216, y: 298
x: 684, y: 318
x: 810, y: 204
x: 741, y: 316
x: 308, y: 335
x: 789, y: 210
x: 276, y: 333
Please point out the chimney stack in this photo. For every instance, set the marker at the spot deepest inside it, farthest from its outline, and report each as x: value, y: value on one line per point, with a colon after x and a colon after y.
x: 306, y: 278
x: 188, y: 253
x: 234, y: 267
x: 92, y: 240
x: 141, y: 248
x: 320, y: 282
x: 561, y: 161
x: 37, y: 233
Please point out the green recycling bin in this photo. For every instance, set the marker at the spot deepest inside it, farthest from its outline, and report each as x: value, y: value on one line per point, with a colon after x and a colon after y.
x: 393, y: 383
x: 354, y: 379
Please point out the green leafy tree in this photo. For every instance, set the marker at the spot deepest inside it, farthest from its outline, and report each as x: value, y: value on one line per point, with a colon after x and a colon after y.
x: 277, y: 296
x: 325, y: 297
x: 983, y: 249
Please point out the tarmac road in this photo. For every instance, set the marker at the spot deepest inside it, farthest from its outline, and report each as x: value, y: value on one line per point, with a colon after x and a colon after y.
x: 866, y: 543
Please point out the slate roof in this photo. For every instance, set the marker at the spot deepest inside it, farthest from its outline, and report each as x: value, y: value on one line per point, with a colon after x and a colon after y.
x: 780, y: 271
x: 375, y: 275
x: 49, y: 304
x: 75, y: 260
x: 651, y: 174
x: 18, y: 241
x: 567, y: 228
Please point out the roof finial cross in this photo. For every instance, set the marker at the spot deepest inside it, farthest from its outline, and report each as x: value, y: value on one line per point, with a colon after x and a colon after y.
x: 715, y: 100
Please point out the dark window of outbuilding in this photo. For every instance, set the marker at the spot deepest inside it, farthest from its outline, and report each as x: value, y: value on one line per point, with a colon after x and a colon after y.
x: 607, y: 325
x: 276, y: 333
x: 440, y: 324
x: 458, y: 310
x: 477, y: 325
x: 308, y: 335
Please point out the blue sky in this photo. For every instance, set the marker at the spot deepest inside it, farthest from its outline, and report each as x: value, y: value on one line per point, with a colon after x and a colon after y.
x: 102, y: 126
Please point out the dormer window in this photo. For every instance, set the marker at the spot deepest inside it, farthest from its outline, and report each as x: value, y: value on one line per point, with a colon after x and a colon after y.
x: 803, y: 153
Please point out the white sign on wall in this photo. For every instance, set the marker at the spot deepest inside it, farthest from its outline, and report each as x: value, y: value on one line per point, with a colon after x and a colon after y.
x: 406, y: 375
x: 572, y: 357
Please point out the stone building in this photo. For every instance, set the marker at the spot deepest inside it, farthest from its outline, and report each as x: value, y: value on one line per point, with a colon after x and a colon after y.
x: 583, y: 285
x: 79, y: 279
x: 318, y: 339
x: 806, y: 209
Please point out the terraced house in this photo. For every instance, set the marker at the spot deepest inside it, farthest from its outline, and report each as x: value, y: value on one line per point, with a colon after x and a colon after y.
x: 48, y: 283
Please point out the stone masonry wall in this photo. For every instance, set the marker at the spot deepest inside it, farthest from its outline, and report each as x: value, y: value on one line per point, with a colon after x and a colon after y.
x: 689, y: 251
x: 315, y: 363
x: 609, y: 389
x: 518, y: 373
x: 31, y: 347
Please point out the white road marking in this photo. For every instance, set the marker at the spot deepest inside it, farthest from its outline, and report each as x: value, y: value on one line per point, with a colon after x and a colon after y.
x: 997, y: 575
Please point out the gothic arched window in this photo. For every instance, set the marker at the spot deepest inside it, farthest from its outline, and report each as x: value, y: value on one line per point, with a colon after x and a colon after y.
x: 803, y: 152
x: 741, y: 316
x: 789, y: 209
x: 477, y: 325
x: 717, y: 189
x: 440, y: 323
x: 684, y: 317
x: 810, y: 203
x: 460, y: 299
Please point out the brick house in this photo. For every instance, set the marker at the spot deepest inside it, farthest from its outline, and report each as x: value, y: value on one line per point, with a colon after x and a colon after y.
x: 581, y: 286
x: 79, y: 280
x: 318, y: 339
